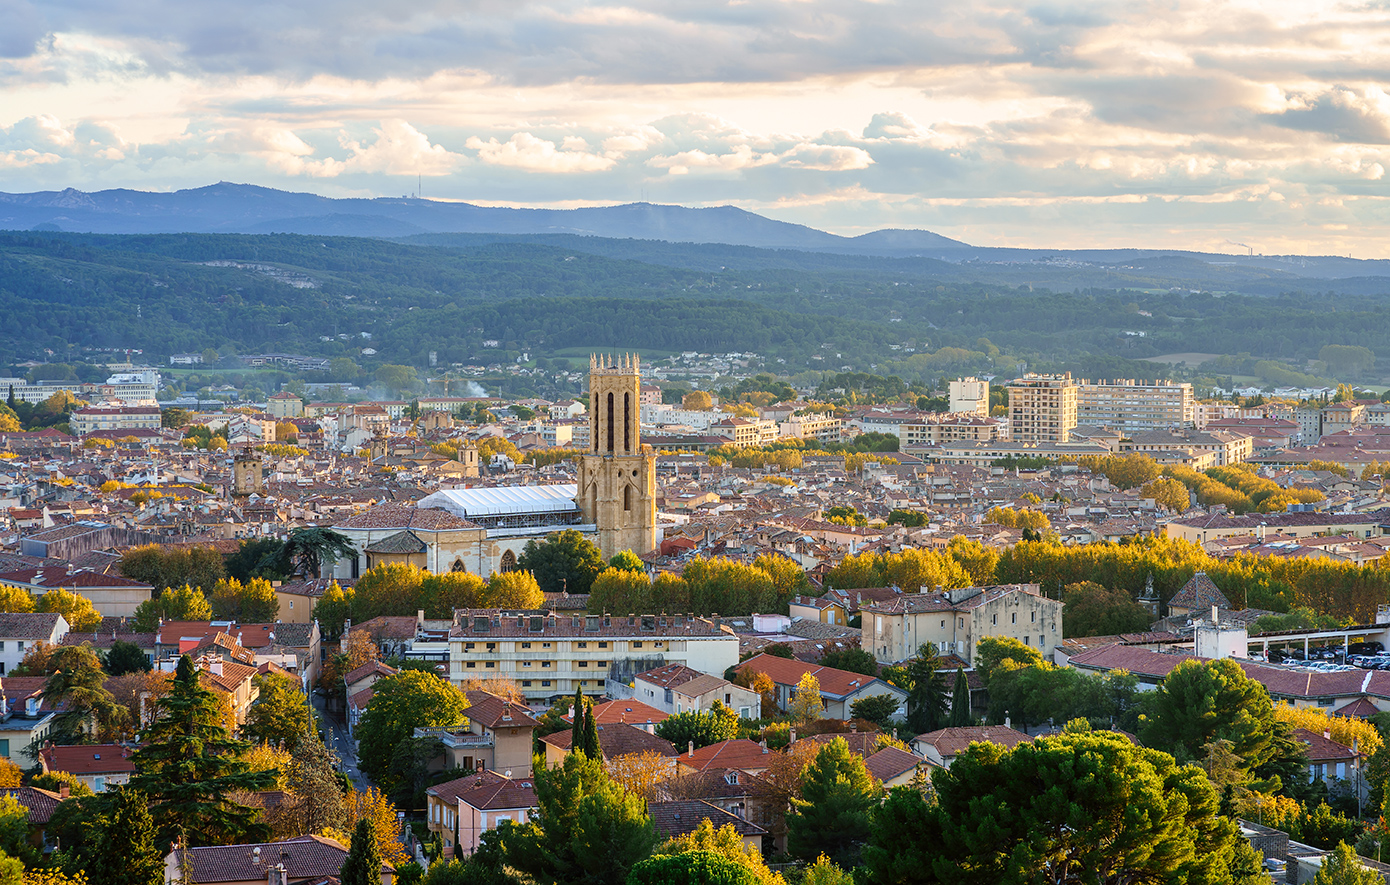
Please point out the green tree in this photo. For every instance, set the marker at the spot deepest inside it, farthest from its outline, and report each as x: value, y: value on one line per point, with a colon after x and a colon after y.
x: 960, y: 701
x: 14, y: 830
x: 728, y: 587
x: 189, y: 766
x: 690, y: 868
x: 727, y: 843
x: 307, y: 549
x: 362, y: 866
x: 181, y: 604
x: 174, y: 418
x: 1203, y: 702
x: 622, y: 592
x: 591, y: 746
x: 706, y: 727
x: 281, y: 716
x: 1343, y: 867
x: 257, y: 558
x: 75, y: 685
x: 565, y: 560
x: 855, y: 660
x: 587, y: 831
x: 332, y: 611
x: 834, y: 814
x: 400, y: 704
x: 992, y: 652
x: 126, y: 657
x: 1088, y: 807
x: 396, y: 378
x: 788, y: 578
x: 581, y: 711
x: 253, y: 602
x: 878, y: 709
x: 1092, y: 610
x: 627, y: 561
x: 921, y: 678
x: 125, y: 849
x: 313, y: 776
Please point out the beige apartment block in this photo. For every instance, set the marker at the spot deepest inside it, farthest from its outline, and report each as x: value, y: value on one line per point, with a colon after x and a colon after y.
x: 1125, y: 405
x: 969, y: 395
x: 1042, y: 408
x: 956, y: 621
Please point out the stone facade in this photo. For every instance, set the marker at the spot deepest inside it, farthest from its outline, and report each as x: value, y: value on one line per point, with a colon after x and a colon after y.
x: 617, y: 476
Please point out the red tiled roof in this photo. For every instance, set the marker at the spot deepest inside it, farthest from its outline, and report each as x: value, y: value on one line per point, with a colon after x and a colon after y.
x: 951, y: 742
x: 743, y: 754
x: 784, y: 671
x: 617, y: 739
x: 88, y: 759
x: 1322, y: 748
x: 890, y: 762
x: 304, y: 857
x: 683, y: 816
x: 497, y: 712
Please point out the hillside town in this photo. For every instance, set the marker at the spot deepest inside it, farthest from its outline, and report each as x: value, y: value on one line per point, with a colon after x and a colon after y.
x: 794, y: 622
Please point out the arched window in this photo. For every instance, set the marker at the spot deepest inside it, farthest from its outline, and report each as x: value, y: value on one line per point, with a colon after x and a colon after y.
x: 458, y: 566
x: 627, y: 423
x: 627, y: 497
x: 508, y: 562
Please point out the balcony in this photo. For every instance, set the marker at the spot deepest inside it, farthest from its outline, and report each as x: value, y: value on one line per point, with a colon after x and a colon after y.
x: 457, y: 740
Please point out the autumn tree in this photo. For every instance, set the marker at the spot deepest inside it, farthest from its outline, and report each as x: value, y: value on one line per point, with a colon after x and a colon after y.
x: 281, y: 715
x: 621, y: 592
x: 727, y: 843
x: 697, y: 401
x: 514, y: 590
x: 1168, y: 493
x: 639, y: 773
x: 806, y: 703
x: 184, y: 603
x: 76, y: 610
x: 254, y: 602
x: 15, y: 599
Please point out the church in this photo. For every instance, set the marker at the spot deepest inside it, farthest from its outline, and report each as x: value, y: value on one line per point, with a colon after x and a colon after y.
x: 484, y: 530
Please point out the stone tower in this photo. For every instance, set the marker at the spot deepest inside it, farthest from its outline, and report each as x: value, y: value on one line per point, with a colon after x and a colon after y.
x: 468, y: 457
x: 617, y: 476
x: 247, y: 477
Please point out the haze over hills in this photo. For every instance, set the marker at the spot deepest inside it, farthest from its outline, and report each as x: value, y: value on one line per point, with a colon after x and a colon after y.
x: 643, y: 231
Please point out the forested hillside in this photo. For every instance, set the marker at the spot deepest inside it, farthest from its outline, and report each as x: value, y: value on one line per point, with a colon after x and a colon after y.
x: 917, y: 317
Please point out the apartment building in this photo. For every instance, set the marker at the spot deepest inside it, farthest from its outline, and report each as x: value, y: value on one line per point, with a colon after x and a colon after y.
x: 955, y: 621
x: 969, y: 395
x: 92, y: 418
x: 1042, y: 408
x: 1211, y: 448
x: 1125, y: 405
x: 820, y: 426
x: 549, y: 655
x: 951, y: 427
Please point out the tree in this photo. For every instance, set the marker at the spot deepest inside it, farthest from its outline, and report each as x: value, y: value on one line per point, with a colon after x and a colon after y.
x: 878, y: 709
x: 1343, y: 867
x: 76, y: 610
x: 125, y: 850
x: 254, y: 602
x: 313, y: 778
x: 15, y: 599
x: 162, y: 569
x: 727, y: 843
x: 690, y: 868
x: 788, y: 578
x: 591, y: 745
x: 362, y: 866
x: 1088, y: 807
x: 1168, y: 493
x: 514, y: 590
x: 256, y: 558
x: 126, y: 657
x: 700, y: 727
x: 332, y: 610
x: 579, y: 712
x: 835, y: 812
x: 1092, y: 610
x: 622, y: 592
x: 855, y: 660
x: 396, y: 378
x: 1202, y: 702
x: 281, y: 716
x: 727, y: 587
x: 75, y: 685
x: 992, y: 652
x: 188, y: 766
x: 960, y: 701
x: 627, y: 561
x: 565, y: 560
x: 11, y: 775
x: 587, y: 831
x: 640, y: 773
x: 14, y: 830
x: 920, y: 677
x: 399, y: 705
x: 175, y: 604
x: 307, y: 549
x: 1346, y: 361
x: 697, y: 401
x: 824, y: 872
x: 806, y: 703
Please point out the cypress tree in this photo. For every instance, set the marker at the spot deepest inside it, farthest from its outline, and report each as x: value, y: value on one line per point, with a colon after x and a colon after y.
x: 960, y: 701
x: 591, y: 745
x: 363, y: 863
x: 189, y: 765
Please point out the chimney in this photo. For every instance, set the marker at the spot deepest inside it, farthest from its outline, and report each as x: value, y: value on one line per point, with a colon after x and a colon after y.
x: 1213, y: 614
x: 1327, y: 733
x: 276, y: 875
x: 791, y: 736
x: 256, y: 855
x: 216, y: 667
x: 64, y: 791
x: 763, y: 743
x: 1007, y: 723
x: 691, y: 748
x: 853, y: 727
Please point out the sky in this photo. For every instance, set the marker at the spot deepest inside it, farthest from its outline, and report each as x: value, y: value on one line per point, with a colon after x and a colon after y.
x: 1214, y: 126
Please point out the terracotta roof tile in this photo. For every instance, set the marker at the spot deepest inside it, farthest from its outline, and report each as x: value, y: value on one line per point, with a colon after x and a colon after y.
x: 683, y: 816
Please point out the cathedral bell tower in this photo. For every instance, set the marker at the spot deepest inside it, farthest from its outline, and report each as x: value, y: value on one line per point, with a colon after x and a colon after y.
x: 617, y: 476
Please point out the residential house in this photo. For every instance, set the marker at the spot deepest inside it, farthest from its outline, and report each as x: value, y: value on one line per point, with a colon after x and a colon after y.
x: 893, y: 767
x: 496, y: 737
x: 944, y: 745
x: 20, y: 630
x: 111, y: 595
x: 97, y: 765
x: 839, y: 689
x: 956, y: 621
x: 463, y: 809
x: 681, y: 817
x: 675, y: 688
x: 304, y: 860
x: 618, y: 739
x: 740, y: 754
x: 1328, y: 760
x: 25, y: 720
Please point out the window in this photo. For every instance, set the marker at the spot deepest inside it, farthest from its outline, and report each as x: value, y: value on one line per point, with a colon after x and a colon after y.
x: 545, y: 645
x: 1025, y: 641
x: 994, y: 619
x: 526, y: 663
x: 943, y: 623
x: 472, y: 665
x: 583, y: 645
x: 545, y: 665
x: 545, y: 683
x: 98, y: 784
x: 5, y: 747
x: 603, y: 645
x: 468, y: 646
x: 1035, y: 617
x: 525, y: 683
x: 1042, y: 641
x: 636, y: 645
x: 1013, y: 618
x: 525, y: 645
x: 583, y: 663
x: 960, y: 622
x: 656, y: 645
x: 491, y: 664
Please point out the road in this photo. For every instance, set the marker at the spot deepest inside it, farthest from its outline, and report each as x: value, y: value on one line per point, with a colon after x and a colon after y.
x: 340, y: 743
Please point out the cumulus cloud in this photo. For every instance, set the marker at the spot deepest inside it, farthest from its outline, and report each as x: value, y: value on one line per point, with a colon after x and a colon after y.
x: 526, y: 151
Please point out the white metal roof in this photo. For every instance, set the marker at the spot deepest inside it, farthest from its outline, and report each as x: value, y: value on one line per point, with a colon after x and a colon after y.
x: 505, y: 501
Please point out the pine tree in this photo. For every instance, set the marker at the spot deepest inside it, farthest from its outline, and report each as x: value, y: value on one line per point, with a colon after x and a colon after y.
x: 189, y: 765
x: 577, y: 726
x: 363, y: 863
x: 960, y: 701
x: 591, y: 744
x: 835, y: 814
x: 125, y: 848
x: 313, y: 776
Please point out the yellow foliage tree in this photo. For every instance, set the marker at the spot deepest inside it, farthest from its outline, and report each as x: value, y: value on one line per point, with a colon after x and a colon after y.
x: 1344, y: 729
x: 76, y: 610
x: 15, y: 600
x: 727, y: 843
x: 806, y: 704
x: 264, y: 757
x: 1018, y: 519
x: 697, y: 401
x: 640, y: 773
x: 10, y: 775
x: 374, y: 807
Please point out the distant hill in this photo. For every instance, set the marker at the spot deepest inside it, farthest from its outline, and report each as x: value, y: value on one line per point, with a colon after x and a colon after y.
x: 241, y: 208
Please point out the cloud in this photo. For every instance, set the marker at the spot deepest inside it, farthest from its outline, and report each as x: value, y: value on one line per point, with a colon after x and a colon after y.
x: 1341, y: 114
x: 525, y: 151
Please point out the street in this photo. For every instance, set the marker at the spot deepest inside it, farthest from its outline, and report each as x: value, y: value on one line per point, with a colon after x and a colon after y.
x: 338, y: 741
